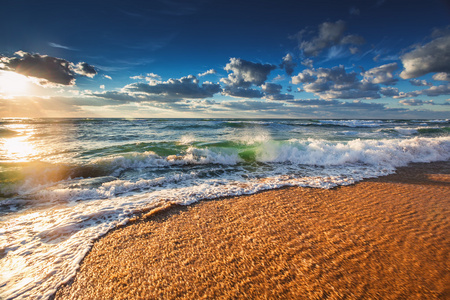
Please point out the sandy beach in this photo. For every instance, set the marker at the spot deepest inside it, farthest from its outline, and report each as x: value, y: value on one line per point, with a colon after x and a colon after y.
x: 383, y: 238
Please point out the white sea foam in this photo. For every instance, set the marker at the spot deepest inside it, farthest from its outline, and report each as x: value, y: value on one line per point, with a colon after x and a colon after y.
x: 43, y: 247
x: 353, y: 123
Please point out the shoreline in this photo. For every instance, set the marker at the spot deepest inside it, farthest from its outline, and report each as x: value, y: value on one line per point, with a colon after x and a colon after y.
x: 379, y: 238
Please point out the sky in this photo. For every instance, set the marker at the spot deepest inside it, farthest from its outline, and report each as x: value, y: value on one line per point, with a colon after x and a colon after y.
x: 225, y: 58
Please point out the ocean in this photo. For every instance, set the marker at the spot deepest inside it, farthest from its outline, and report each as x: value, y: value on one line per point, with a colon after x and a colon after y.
x: 66, y: 182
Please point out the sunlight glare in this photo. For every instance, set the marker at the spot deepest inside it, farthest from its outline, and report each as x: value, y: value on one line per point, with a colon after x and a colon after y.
x: 13, y: 84
x: 18, y: 148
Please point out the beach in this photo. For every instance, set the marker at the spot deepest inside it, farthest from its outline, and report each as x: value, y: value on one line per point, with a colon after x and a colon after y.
x: 382, y: 238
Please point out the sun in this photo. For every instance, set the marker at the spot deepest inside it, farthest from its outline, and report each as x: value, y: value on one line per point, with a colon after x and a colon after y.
x: 13, y: 84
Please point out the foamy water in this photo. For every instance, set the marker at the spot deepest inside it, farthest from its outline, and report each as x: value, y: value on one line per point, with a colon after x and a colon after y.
x: 64, y: 183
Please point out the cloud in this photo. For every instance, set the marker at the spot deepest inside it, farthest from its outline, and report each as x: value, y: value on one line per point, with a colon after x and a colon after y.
x: 389, y: 91
x: 429, y: 58
x: 49, y: 70
x: 252, y: 105
x: 288, y: 64
x: 417, y: 82
x: 414, y: 102
x: 176, y: 89
x: 432, y: 91
x: 246, y: 73
x: 107, y: 77
x: 442, y: 76
x: 381, y: 75
x: 437, y: 90
x: 211, y: 71
x: 307, y: 62
x: 54, y: 45
x: 102, y: 86
x: 329, y: 34
x: 273, y: 92
x: 84, y: 69
x: 149, y: 77
x: 336, y: 83
x: 242, y: 92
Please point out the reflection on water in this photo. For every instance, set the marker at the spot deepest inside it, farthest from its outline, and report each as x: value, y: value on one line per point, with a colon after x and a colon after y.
x: 17, y: 149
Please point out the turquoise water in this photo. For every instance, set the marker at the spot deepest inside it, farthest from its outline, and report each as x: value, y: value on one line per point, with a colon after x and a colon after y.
x: 65, y: 182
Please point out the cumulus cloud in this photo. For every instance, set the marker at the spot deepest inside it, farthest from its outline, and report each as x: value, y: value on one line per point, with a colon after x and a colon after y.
x: 414, y: 102
x: 389, y: 91
x: 329, y: 34
x: 175, y: 89
x: 442, y: 76
x: 84, y: 69
x: 307, y: 62
x: 381, y: 75
x: 273, y: 92
x: 246, y: 73
x: 432, y: 91
x: 429, y: 58
x: 211, y: 71
x: 288, y: 64
x: 336, y: 83
x: 417, y: 82
x: 48, y: 70
x: 436, y: 90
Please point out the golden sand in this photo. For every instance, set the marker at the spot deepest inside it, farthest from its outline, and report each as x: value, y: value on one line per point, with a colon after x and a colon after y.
x: 386, y: 238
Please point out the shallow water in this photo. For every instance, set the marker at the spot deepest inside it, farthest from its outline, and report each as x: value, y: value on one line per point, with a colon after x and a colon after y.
x: 65, y: 182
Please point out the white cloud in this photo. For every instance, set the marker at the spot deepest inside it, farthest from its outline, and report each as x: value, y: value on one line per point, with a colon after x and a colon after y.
x: 246, y: 73
x: 429, y: 58
x: 442, y: 76
x: 209, y: 72
x: 336, y: 83
x: 381, y: 75
x: 414, y: 102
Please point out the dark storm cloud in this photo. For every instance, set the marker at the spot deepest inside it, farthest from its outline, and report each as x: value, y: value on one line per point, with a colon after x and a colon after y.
x: 329, y: 34
x: 48, y: 69
x: 429, y: 58
x: 185, y: 87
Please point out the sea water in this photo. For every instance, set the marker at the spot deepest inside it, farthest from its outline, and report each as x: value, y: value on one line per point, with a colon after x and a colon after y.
x: 65, y: 182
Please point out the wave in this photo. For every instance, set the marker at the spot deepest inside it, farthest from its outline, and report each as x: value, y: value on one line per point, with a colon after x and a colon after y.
x: 5, y: 133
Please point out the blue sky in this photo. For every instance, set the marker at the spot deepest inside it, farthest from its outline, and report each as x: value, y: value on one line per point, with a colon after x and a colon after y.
x: 173, y: 58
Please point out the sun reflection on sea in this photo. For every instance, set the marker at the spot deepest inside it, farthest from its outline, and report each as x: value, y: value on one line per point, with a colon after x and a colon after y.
x: 17, y: 149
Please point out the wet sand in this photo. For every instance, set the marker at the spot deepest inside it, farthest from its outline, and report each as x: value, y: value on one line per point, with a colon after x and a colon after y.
x: 384, y: 238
